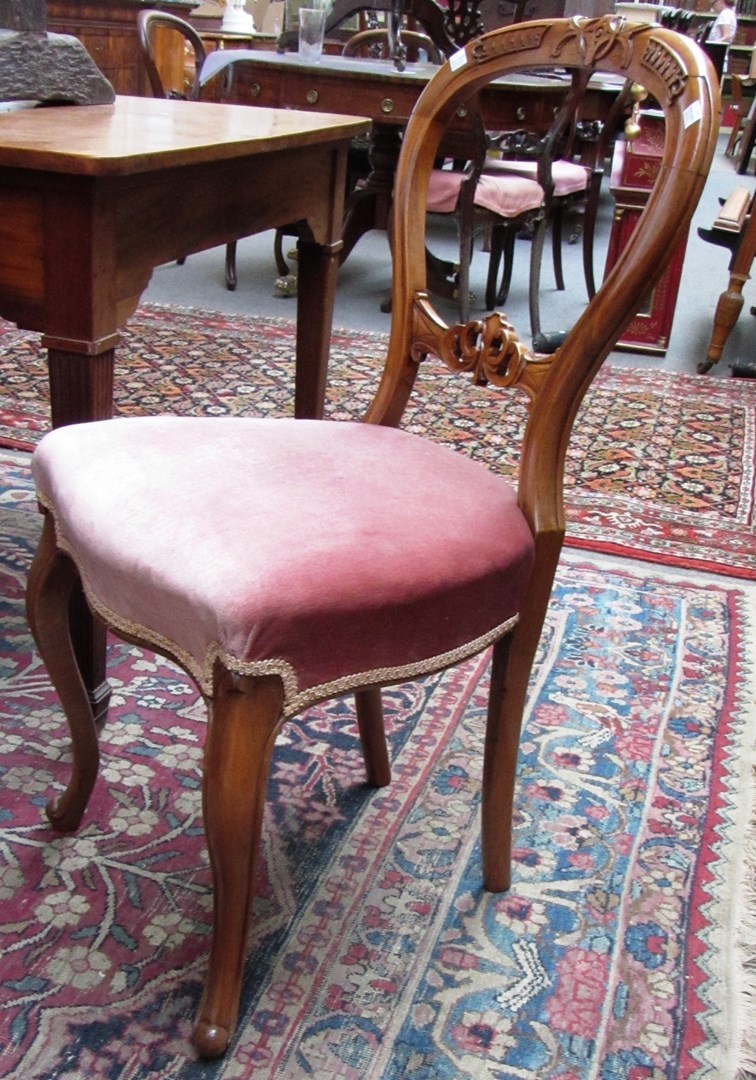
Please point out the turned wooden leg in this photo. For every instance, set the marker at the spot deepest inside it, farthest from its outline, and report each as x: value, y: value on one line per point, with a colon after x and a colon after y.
x: 729, y: 306
x: 373, y: 736
x: 53, y: 579
x: 245, y: 716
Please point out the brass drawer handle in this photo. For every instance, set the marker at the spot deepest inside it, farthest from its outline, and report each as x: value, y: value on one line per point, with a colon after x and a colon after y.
x: 520, y: 114
x: 387, y: 105
x: 255, y: 89
x: 312, y: 97
x: 462, y: 112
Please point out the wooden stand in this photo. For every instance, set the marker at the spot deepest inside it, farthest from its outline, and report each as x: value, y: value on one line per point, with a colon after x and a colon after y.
x: 634, y: 170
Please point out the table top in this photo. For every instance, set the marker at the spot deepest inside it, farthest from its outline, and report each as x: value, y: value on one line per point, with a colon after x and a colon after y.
x: 356, y: 67
x: 137, y: 134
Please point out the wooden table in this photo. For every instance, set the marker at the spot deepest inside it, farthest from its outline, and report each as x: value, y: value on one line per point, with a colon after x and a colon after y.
x: 93, y: 198
x: 376, y: 89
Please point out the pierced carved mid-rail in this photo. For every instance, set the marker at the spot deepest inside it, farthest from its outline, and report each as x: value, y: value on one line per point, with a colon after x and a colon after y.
x: 488, y: 348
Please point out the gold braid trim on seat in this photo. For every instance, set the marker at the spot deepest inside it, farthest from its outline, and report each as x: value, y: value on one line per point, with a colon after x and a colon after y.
x: 295, y: 700
x: 489, y: 348
x: 379, y: 676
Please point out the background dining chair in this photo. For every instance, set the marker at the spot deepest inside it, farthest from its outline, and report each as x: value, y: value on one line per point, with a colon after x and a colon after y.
x: 281, y: 562
x: 548, y: 160
x: 482, y: 202
x: 150, y: 25
x: 498, y: 205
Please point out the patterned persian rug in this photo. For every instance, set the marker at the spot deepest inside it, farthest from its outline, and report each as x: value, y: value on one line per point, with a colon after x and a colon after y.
x: 660, y: 464
x: 618, y: 954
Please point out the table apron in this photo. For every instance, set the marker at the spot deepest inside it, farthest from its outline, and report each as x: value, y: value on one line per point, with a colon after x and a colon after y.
x: 111, y: 232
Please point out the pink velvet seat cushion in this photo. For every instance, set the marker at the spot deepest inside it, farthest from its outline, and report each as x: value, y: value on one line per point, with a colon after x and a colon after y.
x: 569, y: 177
x: 507, y: 196
x: 317, y: 550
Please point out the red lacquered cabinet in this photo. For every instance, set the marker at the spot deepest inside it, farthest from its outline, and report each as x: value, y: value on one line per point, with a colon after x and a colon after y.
x: 635, y: 167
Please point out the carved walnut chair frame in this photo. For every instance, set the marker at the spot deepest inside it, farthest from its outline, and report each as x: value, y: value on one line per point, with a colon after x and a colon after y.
x: 247, y: 705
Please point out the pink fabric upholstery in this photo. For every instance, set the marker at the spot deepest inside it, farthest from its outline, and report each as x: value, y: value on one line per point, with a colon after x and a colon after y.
x: 507, y: 196
x: 569, y: 177
x: 315, y: 549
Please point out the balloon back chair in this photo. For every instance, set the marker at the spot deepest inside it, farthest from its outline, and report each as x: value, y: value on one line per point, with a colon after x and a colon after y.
x: 282, y: 562
x: 150, y: 26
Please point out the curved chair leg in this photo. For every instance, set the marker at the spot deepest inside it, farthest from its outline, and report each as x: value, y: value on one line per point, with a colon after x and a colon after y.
x: 52, y: 580
x: 556, y: 244
x: 373, y: 736
x: 494, y: 259
x: 513, y: 658
x: 536, y: 255
x: 231, y: 266
x: 506, y: 702
x: 589, y: 232
x: 281, y: 264
x: 503, y: 235
x: 499, y: 769
x: 510, y: 235
x: 245, y: 716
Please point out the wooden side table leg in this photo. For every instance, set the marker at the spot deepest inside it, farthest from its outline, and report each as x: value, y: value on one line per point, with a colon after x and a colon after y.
x: 81, y: 389
x: 318, y: 271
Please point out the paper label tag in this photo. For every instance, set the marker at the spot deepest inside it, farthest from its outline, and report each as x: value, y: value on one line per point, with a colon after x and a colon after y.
x: 692, y: 114
x: 458, y: 60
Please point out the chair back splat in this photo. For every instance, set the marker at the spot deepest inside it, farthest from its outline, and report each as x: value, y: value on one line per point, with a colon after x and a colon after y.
x: 281, y: 561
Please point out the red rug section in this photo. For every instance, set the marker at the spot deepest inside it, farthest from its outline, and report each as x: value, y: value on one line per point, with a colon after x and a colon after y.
x: 660, y: 466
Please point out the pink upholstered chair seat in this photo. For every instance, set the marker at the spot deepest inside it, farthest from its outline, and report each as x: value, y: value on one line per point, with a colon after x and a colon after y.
x: 569, y: 177
x: 508, y: 196
x: 193, y: 511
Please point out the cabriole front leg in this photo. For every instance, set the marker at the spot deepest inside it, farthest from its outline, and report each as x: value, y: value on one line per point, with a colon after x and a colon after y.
x: 53, y: 579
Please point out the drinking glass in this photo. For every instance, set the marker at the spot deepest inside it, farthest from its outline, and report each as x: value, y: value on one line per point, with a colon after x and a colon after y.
x: 311, y: 29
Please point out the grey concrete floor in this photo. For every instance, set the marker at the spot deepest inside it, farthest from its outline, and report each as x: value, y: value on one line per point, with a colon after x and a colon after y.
x: 364, y: 281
